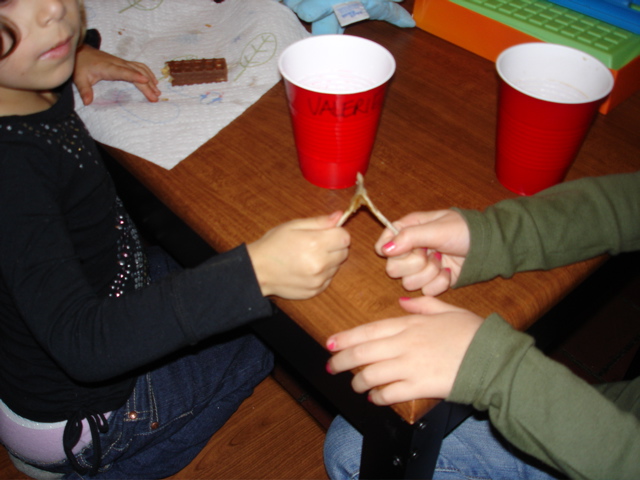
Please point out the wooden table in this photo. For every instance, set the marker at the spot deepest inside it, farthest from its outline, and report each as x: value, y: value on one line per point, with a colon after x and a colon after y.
x: 435, y: 149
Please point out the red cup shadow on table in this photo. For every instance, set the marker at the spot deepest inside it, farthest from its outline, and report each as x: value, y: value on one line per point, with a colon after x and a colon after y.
x: 549, y: 96
x: 336, y: 87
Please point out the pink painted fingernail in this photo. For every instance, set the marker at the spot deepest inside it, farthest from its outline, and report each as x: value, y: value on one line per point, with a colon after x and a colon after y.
x: 331, y: 346
x: 389, y: 247
x: 404, y: 299
x: 328, y: 368
x: 438, y: 256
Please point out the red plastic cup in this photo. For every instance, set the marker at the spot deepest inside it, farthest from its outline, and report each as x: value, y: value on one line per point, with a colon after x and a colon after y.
x: 549, y: 95
x: 336, y: 87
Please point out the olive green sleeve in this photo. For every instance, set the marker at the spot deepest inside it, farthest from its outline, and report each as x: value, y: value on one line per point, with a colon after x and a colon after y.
x: 567, y: 223
x: 537, y: 404
x: 545, y: 410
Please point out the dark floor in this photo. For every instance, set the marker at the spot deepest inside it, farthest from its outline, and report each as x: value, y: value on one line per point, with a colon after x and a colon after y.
x: 604, y: 347
x: 601, y: 319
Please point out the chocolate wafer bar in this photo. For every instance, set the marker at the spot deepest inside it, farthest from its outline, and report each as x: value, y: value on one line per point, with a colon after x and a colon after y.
x: 200, y: 70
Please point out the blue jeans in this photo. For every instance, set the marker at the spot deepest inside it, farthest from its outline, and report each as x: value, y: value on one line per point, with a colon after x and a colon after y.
x: 473, y: 451
x: 176, y: 408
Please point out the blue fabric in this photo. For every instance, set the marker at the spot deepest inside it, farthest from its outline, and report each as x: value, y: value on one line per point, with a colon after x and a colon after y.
x: 176, y: 407
x: 473, y: 451
x: 323, y: 21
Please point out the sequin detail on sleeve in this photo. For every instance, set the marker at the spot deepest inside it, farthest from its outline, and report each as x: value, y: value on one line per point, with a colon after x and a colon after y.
x: 133, y: 272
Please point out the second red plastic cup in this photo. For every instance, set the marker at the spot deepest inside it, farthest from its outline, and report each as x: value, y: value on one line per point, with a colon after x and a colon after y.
x: 549, y: 96
x: 336, y: 87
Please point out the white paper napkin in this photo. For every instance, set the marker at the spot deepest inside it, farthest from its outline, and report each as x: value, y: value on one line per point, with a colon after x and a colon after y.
x: 249, y: 34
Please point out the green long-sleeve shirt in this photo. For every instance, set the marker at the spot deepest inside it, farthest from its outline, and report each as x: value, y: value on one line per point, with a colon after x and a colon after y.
x: 536, y: 403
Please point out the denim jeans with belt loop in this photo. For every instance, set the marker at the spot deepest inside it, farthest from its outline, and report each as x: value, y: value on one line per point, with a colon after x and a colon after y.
x: 473, y: 451
x: 176, y: 408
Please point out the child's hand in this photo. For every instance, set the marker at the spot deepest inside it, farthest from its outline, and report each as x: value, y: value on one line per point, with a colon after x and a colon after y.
x: 406, y: 358
x: 429, y: 251
x: 94, y: 65
x: 298, y: 259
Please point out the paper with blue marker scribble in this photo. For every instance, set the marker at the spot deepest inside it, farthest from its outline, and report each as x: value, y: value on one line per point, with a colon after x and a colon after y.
x: 249, y: 34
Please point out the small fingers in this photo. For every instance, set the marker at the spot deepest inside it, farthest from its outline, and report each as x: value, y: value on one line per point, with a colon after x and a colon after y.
x: 432, y: 279
x: 377, y: 374
x: 439, y: 284
x: 363, y: 333
x: 384, y: 239
x: 86, y: 93
x: 409, y: 264
x: 140, y: 75
x: 420, y: 270
x: 426, y: 305
x: 150, y: 92
x: 391, y: 393
x: 388, y: 242
x: 321, y: 222
x: 145, y: 71
x: 360, y: 355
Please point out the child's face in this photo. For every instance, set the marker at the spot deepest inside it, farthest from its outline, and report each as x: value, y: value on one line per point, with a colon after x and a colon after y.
x: 48, y: 32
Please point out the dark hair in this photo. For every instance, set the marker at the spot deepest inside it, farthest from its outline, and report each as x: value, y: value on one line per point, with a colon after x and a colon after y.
x: 7, y: 32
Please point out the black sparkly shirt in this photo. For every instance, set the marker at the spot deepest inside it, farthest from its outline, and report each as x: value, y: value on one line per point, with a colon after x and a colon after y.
x: 76, y: 316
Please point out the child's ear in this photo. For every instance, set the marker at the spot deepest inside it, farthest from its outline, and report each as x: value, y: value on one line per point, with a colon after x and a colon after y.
x: 9, y: 37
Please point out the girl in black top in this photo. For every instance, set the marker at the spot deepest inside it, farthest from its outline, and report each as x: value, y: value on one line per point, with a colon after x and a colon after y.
x: 115, y: 373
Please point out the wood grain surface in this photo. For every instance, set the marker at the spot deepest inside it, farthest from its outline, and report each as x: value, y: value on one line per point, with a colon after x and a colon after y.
x: 435, y: 149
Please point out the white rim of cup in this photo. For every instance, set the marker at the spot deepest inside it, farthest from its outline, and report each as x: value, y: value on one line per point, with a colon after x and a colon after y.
x: 345, y: 40
x: 598, y: 69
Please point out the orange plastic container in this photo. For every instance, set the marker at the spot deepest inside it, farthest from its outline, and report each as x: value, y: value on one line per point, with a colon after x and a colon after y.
x: 487, y: 37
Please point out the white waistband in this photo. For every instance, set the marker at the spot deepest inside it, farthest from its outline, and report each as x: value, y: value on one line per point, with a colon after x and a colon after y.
x: 37, y: 441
